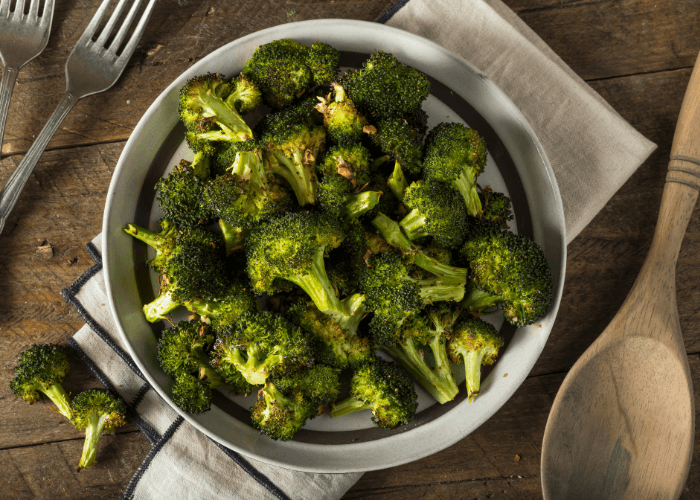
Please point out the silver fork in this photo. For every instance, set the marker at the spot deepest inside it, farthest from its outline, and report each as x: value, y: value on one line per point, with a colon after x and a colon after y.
x: 22, y: 38
x: 91, y: 68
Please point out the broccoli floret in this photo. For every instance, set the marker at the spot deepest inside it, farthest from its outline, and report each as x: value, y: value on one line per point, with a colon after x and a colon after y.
x: 350, y: 161
x: 261, y: 345
x: 456, y: 154
x: 192, y: 394
x: 245, y: 95
x: 496, y: 208
x: 336, y: 197
x: 285, y: 69
x: 292, y: 248
x: 207, y: 116
x: 400, y: 142
x: 432, y: 330
x: 280, y: 416
x: 386, y: 389
x: 180, y: 194
x: 225, y: 309
x: 320, y: 384
x: 333, y: 344
x: 344, y: 124
x: 291, y: 150
x: 386, y: 88
x: 475, y: 343
x: 512, y: 269
x: 40, y: 370
x: 96, y: 411
x: 437, y: 211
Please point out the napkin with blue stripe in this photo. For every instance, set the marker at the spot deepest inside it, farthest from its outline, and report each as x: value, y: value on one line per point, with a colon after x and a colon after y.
x: 576, y: 127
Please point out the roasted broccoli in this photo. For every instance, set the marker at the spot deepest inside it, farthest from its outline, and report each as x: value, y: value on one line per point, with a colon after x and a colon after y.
x: 261, y: 345
x: 285, y: 69
x: 400, y: 142
x: 320, y: 384
x: 456, y: 154
x: 40, y: 370
x: 245, y: 96
x: 292, y: 248
x: 350, y: 161
x: 436, y: 211
x: 181, y: 193
x: 510, y: 268
x: 431, y: 329
x: 496, y: 208
x: 344, y: 124
x: 96, y: 411
x: 226, y: 308
x: 280, y: 416
x: 475, y: 343
x: 336, y: 197
x: 386, y: 88
x: 383, y: 387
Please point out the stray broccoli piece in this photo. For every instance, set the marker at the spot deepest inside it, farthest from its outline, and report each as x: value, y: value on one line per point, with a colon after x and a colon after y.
x: 334, y: 345
x: 40, y: 370
x: 476, y: 343
x: 285, y: 69
x: 512, y: 269
x: 350, y: 161
x: 456, y: 154
x: 245, y: 95
x: 497, y: 208
x: 436, y: 211
x: 431, y: 330
x: 180, y: 194
x: 292, y: 248
x: 401, y: 142
x: 344, y: 124
x: 386, y: 88
x: 207, y: 116
x: 96, y: 411
x: 335, y: 196
x: 226, y: 308
x: 320, y: 384
x: 280, y: 416
x: 260, y: 345
x: 291, y: 149
x: 386, y: 389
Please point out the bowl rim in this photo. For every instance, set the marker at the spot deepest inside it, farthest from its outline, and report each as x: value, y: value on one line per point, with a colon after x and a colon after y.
x: 364, y: 453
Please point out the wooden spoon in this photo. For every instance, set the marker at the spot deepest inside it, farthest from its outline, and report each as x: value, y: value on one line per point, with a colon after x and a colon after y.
x: 622, y: 423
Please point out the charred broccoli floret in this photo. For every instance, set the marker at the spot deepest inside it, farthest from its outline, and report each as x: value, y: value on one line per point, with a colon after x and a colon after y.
x: 96, y: 411
x: 292, y: 248
x: 509, y: 268
x: 386, y: 88
x: 383, y: 387
x: 497, y: 208
x: 400, y: 142
x: 475, y: 343
x: 431, y: 330
x: 285, y: 69
x: 456, y: 155
x: 40, y: 370
x: 350, y: 161
x: 181, y: 193
x: 260, y: 345
x: 333, y: 344
x: 280, y: 416
x: 436, y: 211
x: 344, y: 124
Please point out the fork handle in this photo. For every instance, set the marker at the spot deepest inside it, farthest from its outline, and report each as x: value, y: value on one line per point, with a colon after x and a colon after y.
x: 7, y: 83
x: 10, y: 193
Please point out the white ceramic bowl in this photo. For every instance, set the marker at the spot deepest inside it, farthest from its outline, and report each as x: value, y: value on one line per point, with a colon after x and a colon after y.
x: 516, y: 164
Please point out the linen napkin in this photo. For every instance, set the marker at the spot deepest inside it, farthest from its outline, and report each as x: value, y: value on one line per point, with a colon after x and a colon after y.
x: 576, y: 127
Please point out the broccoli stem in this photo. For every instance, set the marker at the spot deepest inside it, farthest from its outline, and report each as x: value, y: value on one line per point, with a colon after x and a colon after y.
x: 150, y: 238
x: 391, y: 231
x: 230, y: 121
x: 414, y: 225
x: 201, y: 165
x: 57, y: 394
x: 466, y: 185
x: 359, y: 204
x: 439, y: 381
x: 233, y: 236
x: 433, y: 290
x: 298, y: 174
x: 444, y: 273
x: 254, y: 369
x: 472, y: 367
x: 207, y: 373
x: 347, y: 406
x: 160, y: 308
x: 478, y: 301
x: 96, y: 424
x: 354, y: 311
x: 397, y: 182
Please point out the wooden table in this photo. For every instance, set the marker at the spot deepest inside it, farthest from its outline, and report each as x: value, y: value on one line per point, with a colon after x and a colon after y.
x: 637, y: 54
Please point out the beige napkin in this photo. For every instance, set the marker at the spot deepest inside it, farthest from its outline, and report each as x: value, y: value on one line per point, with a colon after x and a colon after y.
x: 592, y: 149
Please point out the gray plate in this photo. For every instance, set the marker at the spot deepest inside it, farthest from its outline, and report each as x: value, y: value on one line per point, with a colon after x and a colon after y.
x: 516, y: 164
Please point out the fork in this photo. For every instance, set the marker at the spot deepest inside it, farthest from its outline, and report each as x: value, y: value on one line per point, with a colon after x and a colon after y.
x: 91, y: 68
x: 22, y: 38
